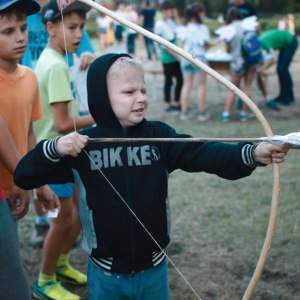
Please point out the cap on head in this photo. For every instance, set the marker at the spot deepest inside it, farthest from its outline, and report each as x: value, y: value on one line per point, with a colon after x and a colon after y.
x: 52, y: 10
x: 31, y: 6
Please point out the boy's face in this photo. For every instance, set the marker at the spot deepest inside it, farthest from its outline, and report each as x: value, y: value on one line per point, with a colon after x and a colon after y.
x: 168, y: 13
x: 13, y: 38
x: 127, y: 95
x: 69, y: 34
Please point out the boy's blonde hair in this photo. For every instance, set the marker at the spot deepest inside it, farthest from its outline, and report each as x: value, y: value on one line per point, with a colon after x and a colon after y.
x: 124, y: 62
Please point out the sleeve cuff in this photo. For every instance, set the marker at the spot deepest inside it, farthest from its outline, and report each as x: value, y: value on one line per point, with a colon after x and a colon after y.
x: 50, y: 150
x: 248, y: 156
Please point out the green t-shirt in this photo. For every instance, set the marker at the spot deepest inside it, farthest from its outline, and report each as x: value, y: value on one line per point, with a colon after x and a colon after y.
x: 167, y: 30
x: 55, y: 85
x: 165, y: 57
x: 275, y: 39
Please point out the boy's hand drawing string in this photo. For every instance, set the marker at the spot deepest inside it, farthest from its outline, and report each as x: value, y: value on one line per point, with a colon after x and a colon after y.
x: 276, y: 170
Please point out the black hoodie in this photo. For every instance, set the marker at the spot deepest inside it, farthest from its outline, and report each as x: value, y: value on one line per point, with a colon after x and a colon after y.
x: 133, y: 182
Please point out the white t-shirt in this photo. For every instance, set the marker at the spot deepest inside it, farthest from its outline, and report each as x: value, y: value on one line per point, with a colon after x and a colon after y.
x: 102, y: 22
x: 165, y: 29
x: 194, y: 37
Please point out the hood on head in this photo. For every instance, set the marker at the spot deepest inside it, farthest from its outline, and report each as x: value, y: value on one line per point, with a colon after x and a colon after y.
x: 98, y: 100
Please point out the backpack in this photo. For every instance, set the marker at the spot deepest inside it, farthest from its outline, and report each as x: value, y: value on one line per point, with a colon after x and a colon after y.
x: 251, y: 48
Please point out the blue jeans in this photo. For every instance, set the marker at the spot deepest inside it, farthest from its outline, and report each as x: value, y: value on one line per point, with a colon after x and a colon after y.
x: 131, y: 43
x: 151, y: 284
x: 150, y: 47
x: 13, y: 279
x: 285, y: 79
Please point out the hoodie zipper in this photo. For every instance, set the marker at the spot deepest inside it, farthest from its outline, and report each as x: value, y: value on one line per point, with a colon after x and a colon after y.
x: 125, y: 133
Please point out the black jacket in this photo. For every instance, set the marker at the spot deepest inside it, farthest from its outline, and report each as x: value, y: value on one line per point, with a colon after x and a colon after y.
x: 137, y: 172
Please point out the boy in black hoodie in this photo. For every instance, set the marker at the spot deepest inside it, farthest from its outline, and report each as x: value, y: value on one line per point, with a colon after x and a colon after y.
x: 125, y: 185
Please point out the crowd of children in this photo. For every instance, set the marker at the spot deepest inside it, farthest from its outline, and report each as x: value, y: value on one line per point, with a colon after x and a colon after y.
x: 40, y: 106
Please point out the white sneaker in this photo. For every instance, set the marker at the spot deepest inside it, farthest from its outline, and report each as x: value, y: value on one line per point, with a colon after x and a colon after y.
x: 185, y: 116
x: 203, y: 116
x: 244, y: 117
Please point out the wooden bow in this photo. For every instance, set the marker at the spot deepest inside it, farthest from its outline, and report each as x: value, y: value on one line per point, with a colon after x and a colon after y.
x: 268, y: 131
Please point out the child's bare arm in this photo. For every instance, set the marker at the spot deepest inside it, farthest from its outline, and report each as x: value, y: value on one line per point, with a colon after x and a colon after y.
x: 85, y: 60
x: 64, y: 121
x: 10, y: 156
x: 31, y: 138
x: 267, y: 153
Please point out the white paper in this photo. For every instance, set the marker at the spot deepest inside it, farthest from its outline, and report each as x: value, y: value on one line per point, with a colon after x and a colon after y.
x: 218, y: 55
x: 79, y: 78
x: 52, y: 214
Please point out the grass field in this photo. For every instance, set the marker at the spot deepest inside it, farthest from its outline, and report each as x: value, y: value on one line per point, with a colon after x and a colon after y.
x: 219, y: 226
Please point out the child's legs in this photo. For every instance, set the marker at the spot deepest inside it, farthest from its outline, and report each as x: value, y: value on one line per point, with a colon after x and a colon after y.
x: 148, y: 46
x: 201, y: 81
x: 152, y: 47
x: 235, y: 79
x: 262, y: 84
x: 185, y: 91
x: 131, y: 43
x: 57, y: 237
x: 76, y: 224
x: 250, y: 75
x: 151, y: 284
x: 285, y: 78
x: 102, y: 37
x: 13, y: 280
x: 179, y: 81
x: 168, y: 82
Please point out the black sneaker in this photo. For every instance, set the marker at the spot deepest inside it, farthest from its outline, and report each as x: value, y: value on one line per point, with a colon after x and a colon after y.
x: 272, y: 104
x: 173, y: 110
x: 278, y: 99
x: 38, y: 235
x: 286, y: 102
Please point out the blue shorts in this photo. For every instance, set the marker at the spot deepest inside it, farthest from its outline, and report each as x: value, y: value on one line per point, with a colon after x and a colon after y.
x: 238, y: 66
x: 65, y: 190
x: 102, y: 30
x: 189, y: 68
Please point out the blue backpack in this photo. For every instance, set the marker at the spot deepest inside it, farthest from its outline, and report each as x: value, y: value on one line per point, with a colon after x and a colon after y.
x: 251, y: 48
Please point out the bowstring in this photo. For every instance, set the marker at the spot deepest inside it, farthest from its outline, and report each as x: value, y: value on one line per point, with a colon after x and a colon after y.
x: 144, y: 227
x: 110, y: 183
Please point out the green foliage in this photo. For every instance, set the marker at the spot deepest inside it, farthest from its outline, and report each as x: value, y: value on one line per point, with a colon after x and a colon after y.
x: 91, y: 27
